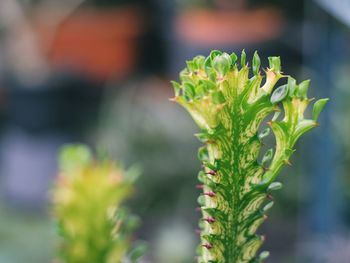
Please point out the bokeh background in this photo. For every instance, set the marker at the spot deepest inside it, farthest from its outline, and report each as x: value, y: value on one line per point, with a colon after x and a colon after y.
x: 98, y: 72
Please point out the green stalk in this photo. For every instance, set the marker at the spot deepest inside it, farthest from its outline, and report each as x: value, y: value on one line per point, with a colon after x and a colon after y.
x: 229, y: 102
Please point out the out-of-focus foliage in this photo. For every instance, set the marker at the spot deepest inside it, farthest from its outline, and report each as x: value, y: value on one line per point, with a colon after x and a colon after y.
x: 87, y: 199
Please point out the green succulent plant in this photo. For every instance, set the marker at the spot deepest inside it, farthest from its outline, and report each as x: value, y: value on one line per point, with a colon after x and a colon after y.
x: 229, y: 102
x: 87, y: 205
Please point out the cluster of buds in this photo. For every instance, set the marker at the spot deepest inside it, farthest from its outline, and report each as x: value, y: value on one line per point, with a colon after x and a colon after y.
x: 229, y: 101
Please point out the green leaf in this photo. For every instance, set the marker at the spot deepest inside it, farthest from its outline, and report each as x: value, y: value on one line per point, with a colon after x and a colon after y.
x: 203, y: 153
x: 214, y: 54
x: 190, y: 65
x: 209, y: 85
x: 263, y: 256
x: 274, y: 186
x: 303, y: 88
x: 318, y: 107
x: 177, y: 88
x: 256, y: 63
x: 243, y: 59
x: 268, y: 206
x: 198, y: 62
x: 292, y: 85
x: 233, y: 58
x: 201, y: 90
x: 275, y: 63
x: 189, y: 91
x: 218, y: 97
x: 138, y: 251
x: 267, y: 156
x: 207, y: 62
x: 279, y: 94
x: 201, y: 200
x: 222, y: 63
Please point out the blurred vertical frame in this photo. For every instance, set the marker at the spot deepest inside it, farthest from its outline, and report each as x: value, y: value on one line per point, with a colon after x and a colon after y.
x: 321, y: 51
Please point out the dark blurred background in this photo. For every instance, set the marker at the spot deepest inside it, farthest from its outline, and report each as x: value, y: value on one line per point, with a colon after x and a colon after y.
x: 98, y: 72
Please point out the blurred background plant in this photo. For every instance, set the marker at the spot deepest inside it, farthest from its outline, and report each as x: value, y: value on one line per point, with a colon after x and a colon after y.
x: 87, y: 206
x: 98, y: 71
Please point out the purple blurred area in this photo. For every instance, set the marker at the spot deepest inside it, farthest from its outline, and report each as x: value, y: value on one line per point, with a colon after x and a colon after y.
x: 98, y: 72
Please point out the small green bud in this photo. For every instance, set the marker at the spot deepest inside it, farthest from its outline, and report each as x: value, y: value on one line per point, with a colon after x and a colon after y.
x: 268, y: 206
x: 233, y: 58
x: 177, y: 88
x: 207, y: 62
x: 203, y: 153
x: 214, y: 54
x: 318, y: 107
x: 201, y: 177
x: 275, y: 63
x: 267, y: 156
x: 207, y: 83
x: 190, y: 65
x: 189, y: 91
x: 279, y: 94
x: 256, y: 63
x: 263, y: 256
x: 218, y: 97
x: 138, y: 251
x: 243, y: 58
x: 201, y: 200
x: 292, y: 85
x: 222, y: 64
x: 199, y: 62
x: 200, y: 91
x: 274, y: 186
x: 264, y: 133
x: 303, y: 88
x: 184, y: 75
